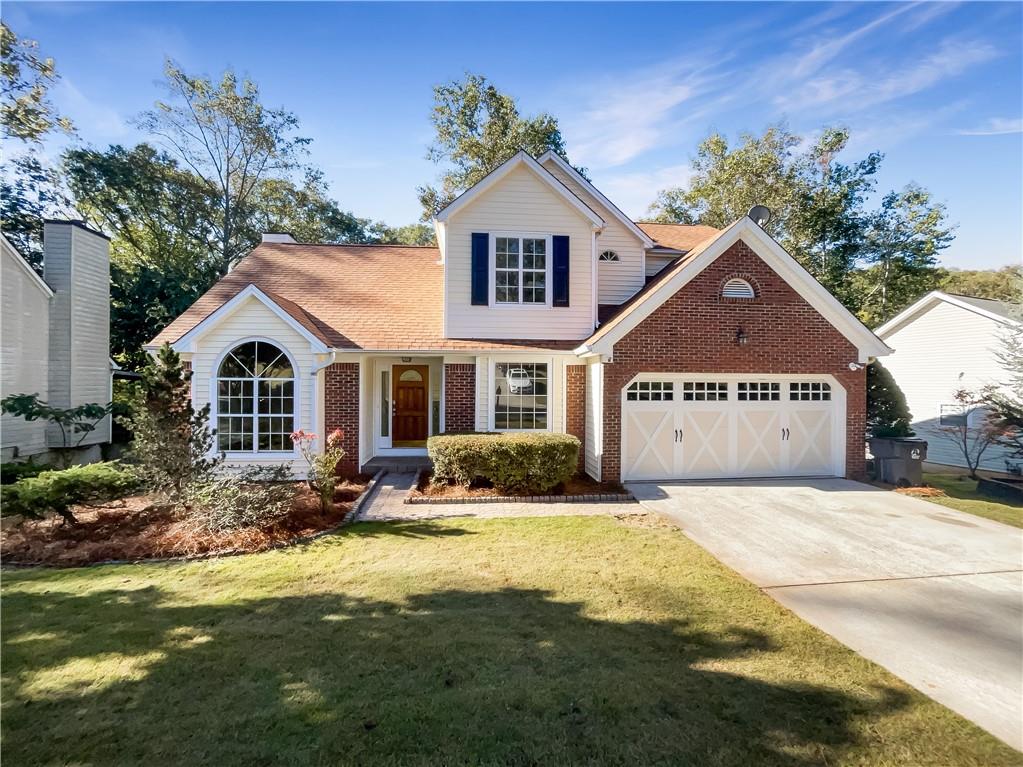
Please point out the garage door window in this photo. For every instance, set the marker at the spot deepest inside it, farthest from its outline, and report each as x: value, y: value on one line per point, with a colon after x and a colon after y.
x: 650, y: 391
x: 704, y: 391
x: 810, y: 391
x: 758, y: 391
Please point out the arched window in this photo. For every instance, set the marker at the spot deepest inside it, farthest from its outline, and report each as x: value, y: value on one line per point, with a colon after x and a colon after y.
x: 608, y: 255
x: 737, y: 288
x: 255, y: 399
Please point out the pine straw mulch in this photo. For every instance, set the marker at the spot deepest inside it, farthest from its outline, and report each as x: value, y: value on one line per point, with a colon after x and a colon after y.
x: 136, y: 528
x: 578, y: 485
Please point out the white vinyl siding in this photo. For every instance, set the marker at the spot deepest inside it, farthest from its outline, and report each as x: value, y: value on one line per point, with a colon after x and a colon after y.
x: 944, y: 349
x: 77, y: 268
x: 617, y: 281
x: 594, y: 423
x: 654, y: 264
x: 520, y: 202
x: 25, y: 351
x: 253, y: 320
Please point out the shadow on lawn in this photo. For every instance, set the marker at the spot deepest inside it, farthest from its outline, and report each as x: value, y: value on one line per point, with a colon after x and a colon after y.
x: 455, y: 677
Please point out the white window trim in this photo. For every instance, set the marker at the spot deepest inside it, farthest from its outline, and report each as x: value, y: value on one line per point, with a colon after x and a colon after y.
x: 215, y: 402
x: 492, y: 265
x: 960, y: 413
x: 492, y: 394
x: 616, y: 260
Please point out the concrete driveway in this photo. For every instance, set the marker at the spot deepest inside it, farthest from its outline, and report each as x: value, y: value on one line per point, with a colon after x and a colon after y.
x: 933, y: 595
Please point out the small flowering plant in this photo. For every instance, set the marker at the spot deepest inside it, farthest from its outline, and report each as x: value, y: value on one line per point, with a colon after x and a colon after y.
x: 321, y: 477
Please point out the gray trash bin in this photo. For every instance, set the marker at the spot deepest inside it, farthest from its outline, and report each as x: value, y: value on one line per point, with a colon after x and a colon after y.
x: 899, y: 462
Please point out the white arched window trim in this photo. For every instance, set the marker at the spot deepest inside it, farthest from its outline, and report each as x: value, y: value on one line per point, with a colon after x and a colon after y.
x: 738, y: 288
x: 214, y: 399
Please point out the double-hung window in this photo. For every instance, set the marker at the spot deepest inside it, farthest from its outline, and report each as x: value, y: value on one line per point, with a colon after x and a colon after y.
x: 255, y: 399
x: 520, y: 270
x: 520, y: 395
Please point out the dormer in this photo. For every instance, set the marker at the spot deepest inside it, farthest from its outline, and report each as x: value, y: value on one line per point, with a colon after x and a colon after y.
x: 519, y: 254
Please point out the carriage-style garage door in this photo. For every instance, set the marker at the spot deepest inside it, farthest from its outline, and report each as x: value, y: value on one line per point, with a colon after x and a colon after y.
x: 713, y: 427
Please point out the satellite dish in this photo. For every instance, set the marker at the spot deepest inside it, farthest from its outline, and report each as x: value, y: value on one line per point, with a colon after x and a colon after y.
x: 760, y: 214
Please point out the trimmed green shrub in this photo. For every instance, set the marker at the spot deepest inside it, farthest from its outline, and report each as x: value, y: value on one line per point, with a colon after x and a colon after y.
x: 511, y: 462
x: 13, y: 471
x: 58, y: 491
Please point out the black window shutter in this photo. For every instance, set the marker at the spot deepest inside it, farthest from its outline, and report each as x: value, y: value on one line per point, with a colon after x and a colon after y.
x: 560, y: 248
x: 480, y: 268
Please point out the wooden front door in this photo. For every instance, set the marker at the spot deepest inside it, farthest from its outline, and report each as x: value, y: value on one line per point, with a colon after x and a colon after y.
x: 411, y: 408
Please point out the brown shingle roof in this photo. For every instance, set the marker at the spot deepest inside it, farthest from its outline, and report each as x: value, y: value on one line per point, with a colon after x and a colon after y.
x: 349, y: 296
x: 677, y: 236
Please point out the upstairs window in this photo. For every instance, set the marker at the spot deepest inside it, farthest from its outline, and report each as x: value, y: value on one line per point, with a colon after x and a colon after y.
x: 737, y: 288
x: 520, y: 270
x: 609, y: 255
x: 255, y: 399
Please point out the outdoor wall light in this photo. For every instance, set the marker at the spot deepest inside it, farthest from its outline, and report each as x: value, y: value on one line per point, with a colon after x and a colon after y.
x: 741, y: 338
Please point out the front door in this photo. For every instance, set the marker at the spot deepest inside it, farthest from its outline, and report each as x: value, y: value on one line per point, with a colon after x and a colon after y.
x: 411, y: 405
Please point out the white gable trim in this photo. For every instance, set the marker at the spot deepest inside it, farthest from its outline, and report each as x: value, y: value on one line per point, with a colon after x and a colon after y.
x: 27, y: 269
x: 187, y: 342
x: 790, y: 270
x: 910, y: 313
x: 627, y: 222
x: 495, y: 176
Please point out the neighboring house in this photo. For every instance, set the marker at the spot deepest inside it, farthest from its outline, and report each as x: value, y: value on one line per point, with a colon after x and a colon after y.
x: 670, y: 351
x: 943, y: 343
x: 56, y: 335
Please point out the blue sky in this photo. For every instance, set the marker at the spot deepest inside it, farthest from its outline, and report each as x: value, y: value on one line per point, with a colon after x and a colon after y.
x: 937, y: 87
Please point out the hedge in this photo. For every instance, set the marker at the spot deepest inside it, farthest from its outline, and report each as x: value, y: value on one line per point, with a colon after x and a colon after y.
x: 511, y: 462
x: 12, y: 472
x: 58, y: 491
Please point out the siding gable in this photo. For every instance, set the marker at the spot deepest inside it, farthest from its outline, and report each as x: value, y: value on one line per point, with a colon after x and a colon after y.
x: 616, y: 281
x: 520, y: 203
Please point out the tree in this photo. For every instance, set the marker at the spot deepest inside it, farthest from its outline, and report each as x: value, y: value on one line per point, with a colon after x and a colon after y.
x: 173, y: 444
x: 903, y: 239
x: 999, y: 284
x: 226, y: 137
x: 29, y: 188
x: 410, y: 234
x: 888, y: 414
x: 874, y: 261
x: 974, y: 429
x: 164, y: 252
x: 306, y: 211
x: 476, y: 129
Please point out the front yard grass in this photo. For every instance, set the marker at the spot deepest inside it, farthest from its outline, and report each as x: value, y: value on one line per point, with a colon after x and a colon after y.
x: 572, y: 640
x: 961, y: 494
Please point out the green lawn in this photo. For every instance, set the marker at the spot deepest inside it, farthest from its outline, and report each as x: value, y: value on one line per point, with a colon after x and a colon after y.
x: 554, y: 641
x: 963, y: 496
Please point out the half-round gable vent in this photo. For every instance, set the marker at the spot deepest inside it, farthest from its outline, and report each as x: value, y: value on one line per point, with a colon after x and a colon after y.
x: 608, y: 255
x: 737, y: 288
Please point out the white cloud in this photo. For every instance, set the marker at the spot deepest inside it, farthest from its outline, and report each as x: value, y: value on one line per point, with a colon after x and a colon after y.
x: 633, y: 192
x: 996, y: 126
x: 93, y: 120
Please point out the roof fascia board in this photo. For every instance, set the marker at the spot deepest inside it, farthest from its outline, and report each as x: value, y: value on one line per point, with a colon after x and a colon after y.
x: 186, y: 343
x: 495, y: 176
x: 566, y: 166
x: 911, y: 312
x: 19, y: 259
x: 787, y: 267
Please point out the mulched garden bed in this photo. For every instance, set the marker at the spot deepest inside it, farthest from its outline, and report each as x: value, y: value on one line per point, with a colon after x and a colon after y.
x: 580, y: 488
x: 134, y: 529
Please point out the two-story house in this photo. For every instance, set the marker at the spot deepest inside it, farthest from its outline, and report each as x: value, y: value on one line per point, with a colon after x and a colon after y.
x: 672, y: 352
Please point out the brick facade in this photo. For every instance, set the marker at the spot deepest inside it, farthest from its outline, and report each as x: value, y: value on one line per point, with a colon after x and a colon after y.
x: 459, y: 397
x: 695, y: 331
x: 575, y: 406
x: 341, y: 409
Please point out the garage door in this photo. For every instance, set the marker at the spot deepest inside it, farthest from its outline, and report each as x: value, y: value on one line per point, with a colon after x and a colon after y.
x: 716, y: 427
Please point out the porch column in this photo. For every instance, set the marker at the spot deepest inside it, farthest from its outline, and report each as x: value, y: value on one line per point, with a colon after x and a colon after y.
x: 575, y: 407
x: 341, y: 409
x: 459, y: 397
